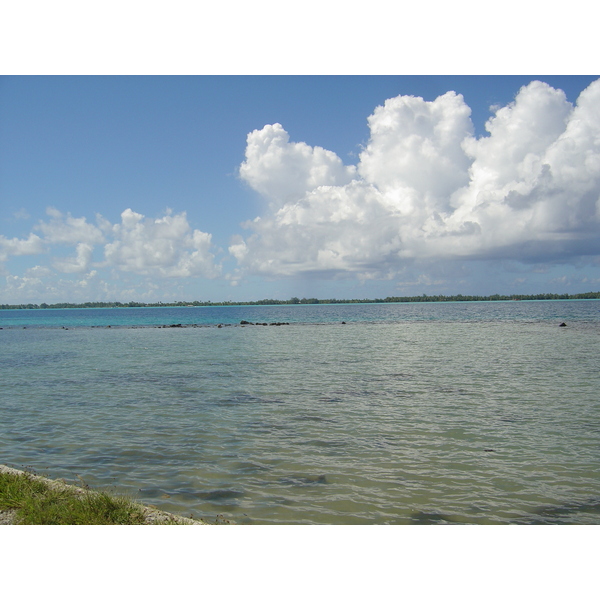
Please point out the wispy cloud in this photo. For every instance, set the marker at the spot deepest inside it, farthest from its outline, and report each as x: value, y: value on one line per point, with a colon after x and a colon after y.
x: 21, y: 214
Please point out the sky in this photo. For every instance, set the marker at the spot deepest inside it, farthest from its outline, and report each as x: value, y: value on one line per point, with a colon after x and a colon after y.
x: 168, y: 188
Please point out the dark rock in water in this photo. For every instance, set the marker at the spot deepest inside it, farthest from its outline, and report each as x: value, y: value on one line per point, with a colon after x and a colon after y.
x: 246, y: 323
x: 488, y: 450
x: 219, y: 326
x: 178, y: 325
x: 563, y: 325
x: 425, y: 518
x: 343, y: 322
x: 304, y: 480
x: 217, y: 495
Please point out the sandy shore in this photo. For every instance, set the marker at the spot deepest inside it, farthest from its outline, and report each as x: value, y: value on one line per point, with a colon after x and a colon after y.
x: 152, y: 515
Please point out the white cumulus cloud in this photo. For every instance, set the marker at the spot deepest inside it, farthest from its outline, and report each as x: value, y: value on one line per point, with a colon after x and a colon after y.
x: 20, y: 247
x: 283, y: 171
x: 147, y: 249
x: 79, y: 263
x: 418, y: 145
x: 69, y: 230
x: 426, y: 188
x: 167, y: 247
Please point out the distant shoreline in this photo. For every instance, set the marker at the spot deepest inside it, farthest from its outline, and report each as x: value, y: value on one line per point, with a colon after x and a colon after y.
x: 293, y: 301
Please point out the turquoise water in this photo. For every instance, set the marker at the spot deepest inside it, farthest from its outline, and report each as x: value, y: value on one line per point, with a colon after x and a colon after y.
x: 408, y: 413
x: 576, y: 310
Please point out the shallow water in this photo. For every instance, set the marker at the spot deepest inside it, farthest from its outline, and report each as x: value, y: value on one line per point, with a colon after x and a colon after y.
x: 420, y: 413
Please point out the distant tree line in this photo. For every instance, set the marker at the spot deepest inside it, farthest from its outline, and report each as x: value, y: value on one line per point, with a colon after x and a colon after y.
x: 422, y: 298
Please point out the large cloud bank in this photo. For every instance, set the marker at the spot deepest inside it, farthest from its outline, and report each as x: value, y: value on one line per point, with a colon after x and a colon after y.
x: 426, y: 189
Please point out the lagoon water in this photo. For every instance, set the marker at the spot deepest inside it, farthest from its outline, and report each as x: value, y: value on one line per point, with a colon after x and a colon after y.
x: 482, y: 412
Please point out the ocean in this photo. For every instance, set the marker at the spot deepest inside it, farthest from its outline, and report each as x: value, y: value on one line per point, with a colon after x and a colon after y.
x: 418, y: 413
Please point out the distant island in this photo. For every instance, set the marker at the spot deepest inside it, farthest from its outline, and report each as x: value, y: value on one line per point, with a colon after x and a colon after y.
x: 422, y: 298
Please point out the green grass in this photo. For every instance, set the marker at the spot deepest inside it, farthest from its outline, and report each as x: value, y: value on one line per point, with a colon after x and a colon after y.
x: 37, y: 503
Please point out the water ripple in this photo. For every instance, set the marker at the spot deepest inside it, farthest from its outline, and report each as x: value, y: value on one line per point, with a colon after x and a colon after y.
x: 422, y: 422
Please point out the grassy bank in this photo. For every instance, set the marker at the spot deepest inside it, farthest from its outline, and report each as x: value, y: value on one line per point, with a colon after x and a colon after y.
x: 34, y: 500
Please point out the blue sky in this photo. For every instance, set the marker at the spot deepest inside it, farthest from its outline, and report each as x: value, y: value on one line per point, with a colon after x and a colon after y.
x: 150, y: 188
